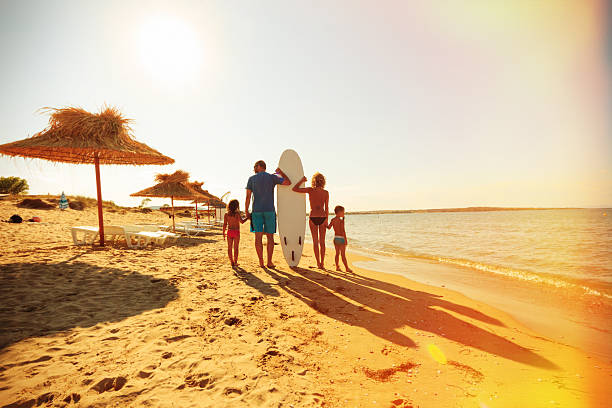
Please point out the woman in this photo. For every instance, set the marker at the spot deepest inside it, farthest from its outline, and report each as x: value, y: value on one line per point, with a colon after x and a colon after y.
x: 319, y: 210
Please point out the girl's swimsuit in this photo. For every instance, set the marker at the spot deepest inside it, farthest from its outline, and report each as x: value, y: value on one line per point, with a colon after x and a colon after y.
x: 339, y: 240
x: 233, y: 233
x: 318, y: 220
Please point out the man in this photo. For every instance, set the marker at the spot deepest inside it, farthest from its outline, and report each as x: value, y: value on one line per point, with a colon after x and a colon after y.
x: 263, y: 218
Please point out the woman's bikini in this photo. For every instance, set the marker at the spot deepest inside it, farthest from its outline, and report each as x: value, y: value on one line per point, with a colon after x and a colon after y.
x: 318, y: 220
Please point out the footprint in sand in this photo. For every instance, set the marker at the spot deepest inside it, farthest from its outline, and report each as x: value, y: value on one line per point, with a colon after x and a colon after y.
x: 147, y: 371
x: 401, y: 403
x: 45, y: 398
x: 109, y: 384
x: 228, y: 392
x: 74, y: 397
x: 233, y: 321
x: 144, y: 374
x: 202, y: 380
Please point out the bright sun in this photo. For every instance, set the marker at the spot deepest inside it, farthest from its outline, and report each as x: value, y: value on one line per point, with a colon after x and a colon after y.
x: 169, y: 49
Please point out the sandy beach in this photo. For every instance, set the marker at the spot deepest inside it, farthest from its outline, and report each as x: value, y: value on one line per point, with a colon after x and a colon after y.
x: 178, y: 327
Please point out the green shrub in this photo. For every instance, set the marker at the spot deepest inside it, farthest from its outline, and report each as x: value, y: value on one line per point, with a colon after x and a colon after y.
x: 13, y: 185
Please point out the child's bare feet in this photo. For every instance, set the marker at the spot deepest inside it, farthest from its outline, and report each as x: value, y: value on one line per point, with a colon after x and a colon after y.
x: 338, y: 269
x: 271, y: 265
x: 349, y: 270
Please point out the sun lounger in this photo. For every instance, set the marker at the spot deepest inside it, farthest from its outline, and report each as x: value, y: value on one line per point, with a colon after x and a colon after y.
x: 143, y: 239
x: 190, y: 228
x: 140, y: 236
x: 90, y: 234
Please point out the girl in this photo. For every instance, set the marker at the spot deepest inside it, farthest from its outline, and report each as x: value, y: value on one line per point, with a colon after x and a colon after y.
x: 232, y: 220
x: 319, y: 210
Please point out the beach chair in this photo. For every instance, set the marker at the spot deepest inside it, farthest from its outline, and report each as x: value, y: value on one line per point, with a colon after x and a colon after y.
x: 90, y: 234
x: 143, y: 239
x: 140, y: 236
x: 196, y: 230
x: 190, y: 228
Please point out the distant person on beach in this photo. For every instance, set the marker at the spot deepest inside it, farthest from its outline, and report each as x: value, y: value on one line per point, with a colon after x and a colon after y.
x: 340, y: 240
x: 231, y: 221
x: 263, y: 218
x: 319, y: 210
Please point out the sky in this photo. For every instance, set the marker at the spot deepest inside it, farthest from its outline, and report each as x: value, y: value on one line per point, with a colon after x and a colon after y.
x: 401, y: 105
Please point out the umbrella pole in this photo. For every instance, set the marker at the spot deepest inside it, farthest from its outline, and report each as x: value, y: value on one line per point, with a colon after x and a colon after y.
x: 197, y: 218
x: 99, y: 191
x: 208, y: 210
x: 172, y: 200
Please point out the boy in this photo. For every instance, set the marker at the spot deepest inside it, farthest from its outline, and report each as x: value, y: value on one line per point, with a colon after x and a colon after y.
x: 340, y: 240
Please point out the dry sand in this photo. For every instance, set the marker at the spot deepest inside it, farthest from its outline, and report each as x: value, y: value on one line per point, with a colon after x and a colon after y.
x: 178, y: 327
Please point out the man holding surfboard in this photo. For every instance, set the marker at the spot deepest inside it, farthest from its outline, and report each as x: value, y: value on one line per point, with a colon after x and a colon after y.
x: 263, y: 218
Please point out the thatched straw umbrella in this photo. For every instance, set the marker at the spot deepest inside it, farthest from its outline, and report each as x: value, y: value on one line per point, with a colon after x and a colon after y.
x: 175, y: 185
x: 209, y: 198
x: 77, y: 136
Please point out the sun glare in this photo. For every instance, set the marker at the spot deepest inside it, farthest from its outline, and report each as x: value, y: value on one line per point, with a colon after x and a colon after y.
x: 170, y: 49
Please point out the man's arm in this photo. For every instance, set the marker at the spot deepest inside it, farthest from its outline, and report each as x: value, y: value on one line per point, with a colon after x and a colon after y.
x: 298, y: 189
x: 247, y: 202
x: 286, y: 181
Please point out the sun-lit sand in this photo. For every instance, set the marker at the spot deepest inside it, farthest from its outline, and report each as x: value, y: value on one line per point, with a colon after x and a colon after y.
x: 177, y: 327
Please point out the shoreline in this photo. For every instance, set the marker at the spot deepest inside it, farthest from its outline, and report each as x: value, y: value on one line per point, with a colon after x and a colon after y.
x: 594, y: 288
x: 541, y: 308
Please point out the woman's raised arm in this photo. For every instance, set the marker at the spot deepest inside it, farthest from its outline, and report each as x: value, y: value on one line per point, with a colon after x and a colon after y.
x: 298, y: 189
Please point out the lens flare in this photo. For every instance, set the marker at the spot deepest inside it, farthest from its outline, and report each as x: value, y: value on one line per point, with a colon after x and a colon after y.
x: 436, y: 353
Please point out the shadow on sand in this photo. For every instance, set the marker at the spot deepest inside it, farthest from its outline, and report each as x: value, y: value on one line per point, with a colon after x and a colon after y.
x: 382, y: 308
x: 253, y: 281
x: 38, y: 299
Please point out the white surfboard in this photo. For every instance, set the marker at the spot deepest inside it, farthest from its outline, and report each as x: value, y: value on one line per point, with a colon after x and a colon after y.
x: 291, y: 209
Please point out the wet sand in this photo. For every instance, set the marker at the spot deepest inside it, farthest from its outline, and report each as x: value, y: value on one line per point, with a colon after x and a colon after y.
x: 177, y: 326
x: 565, y: 315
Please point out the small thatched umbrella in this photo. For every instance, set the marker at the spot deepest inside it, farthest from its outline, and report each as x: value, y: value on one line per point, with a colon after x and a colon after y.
x: 197, y: 186
x: 175, y: 185
x: 77, y: 136
x: 218, y: 203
